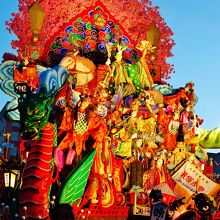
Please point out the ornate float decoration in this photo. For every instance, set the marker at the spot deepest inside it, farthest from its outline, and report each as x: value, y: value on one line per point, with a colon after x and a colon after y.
x: 104, y: 132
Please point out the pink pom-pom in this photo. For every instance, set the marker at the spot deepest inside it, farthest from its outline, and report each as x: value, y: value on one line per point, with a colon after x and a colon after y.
x: 70, y: 156
x: 59, y: 158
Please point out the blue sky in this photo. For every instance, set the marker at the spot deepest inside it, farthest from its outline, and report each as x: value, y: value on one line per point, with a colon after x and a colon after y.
x: 196, y: 27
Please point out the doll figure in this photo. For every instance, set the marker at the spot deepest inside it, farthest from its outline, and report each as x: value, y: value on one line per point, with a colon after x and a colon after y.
x: 120, y: 73
x: 157, y: 174
x: 171, y: 132
x: 66, y: 101
x: 27, y: 72
x: 147, y: 79
x: 79, y: 132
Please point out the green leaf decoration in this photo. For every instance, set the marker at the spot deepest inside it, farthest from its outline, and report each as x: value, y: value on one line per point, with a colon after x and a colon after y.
x: 74, y: 185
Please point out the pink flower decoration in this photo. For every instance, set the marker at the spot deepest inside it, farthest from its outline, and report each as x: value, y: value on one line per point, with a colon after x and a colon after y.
x: 134, y: 16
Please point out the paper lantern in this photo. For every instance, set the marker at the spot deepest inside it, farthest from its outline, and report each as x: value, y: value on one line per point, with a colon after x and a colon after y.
x: 153, y: 36
x: 10, y: 178
x: 36, y: 19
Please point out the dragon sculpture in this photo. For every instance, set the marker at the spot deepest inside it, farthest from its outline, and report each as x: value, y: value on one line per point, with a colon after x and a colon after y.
x: 38, y: 171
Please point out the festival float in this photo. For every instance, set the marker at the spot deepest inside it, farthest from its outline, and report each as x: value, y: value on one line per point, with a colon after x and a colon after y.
x: 102, y: 131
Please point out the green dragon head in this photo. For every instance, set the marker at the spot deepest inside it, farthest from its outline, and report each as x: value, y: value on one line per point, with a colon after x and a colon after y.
x: 35, y: 110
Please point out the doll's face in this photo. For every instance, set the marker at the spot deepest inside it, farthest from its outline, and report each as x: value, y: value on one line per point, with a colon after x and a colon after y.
x: 143, y: 95
x: 175, y: 115
x: 139, y: 143
x: 71, y: 79
x: 160, y: 162
x: 191, y: 159
x: 104, y: 93
x: 85, y: 104
x: 134, y: 114
x: 26, y: 61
